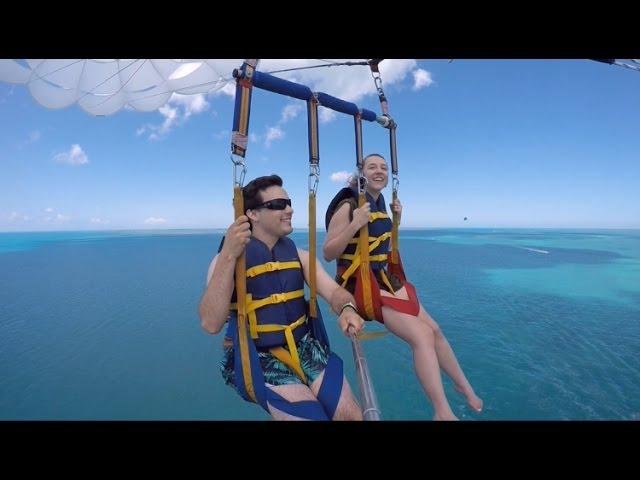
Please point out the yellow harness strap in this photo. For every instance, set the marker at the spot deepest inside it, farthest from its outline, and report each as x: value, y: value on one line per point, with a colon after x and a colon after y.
x: 283, y: 355
x: 386, y: 281
x: 356, y: 258
x: 363, y: 243
x: 374, y: 242
x: 377, y: 215
x: 241, y: 290
x: 252, y: 305
x: 271, y: 267
x: 312, y: 255
x: 394, y: 232
x: 372, y: 258
x: 346, y: 275
x: 356, y: 240
x: 371, y: 335
x: 291, y: 357
x: 272, y: 299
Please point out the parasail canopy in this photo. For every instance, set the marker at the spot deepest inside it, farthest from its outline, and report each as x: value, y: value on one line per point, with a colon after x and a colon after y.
x: 102, y: 86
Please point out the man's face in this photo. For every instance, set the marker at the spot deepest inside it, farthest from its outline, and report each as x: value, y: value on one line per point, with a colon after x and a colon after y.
x: 273, y: 221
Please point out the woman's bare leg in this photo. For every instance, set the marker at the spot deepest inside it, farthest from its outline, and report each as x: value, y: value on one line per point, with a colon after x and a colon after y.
x: 420, y: 338
x: 449, y: 362
x: 446, y: 358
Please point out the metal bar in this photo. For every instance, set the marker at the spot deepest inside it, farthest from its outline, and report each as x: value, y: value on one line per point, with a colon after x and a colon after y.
x: 370, y: 408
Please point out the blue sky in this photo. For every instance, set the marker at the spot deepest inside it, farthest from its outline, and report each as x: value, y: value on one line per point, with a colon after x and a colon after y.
x: 506, y: 143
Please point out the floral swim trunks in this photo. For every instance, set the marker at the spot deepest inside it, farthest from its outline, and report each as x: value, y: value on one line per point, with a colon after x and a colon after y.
x: 313, y: 359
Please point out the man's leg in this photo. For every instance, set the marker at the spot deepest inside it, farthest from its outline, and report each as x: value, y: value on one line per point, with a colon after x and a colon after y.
x: 348, y: 408
x: 294, y: 392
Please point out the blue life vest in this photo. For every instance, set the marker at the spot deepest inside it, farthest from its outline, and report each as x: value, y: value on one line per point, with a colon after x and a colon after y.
x: 270, y: 274
x: 366, y: 289
x: 379, y: 224
x: 277, y: 315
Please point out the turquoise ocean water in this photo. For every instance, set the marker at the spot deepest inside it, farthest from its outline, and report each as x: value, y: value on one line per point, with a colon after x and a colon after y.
x: 104, y: 326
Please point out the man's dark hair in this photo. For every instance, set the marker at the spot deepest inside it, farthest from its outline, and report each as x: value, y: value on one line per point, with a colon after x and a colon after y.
x: 252, y: 197
x: 251, y: 191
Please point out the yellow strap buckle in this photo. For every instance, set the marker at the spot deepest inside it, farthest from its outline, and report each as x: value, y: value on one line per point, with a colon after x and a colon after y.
x: 278, y: 297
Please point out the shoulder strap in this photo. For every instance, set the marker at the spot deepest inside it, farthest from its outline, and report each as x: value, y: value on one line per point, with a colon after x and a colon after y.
x: 343, y: 195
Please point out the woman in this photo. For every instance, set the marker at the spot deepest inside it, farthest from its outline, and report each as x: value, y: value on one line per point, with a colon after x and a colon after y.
x: 401, y: 311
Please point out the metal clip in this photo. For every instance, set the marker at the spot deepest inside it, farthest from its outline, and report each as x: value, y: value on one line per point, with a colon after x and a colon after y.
x: 314, y: 178
x: 238, y: 176
x: 377, y: 80
x: 395, y: 184
x: 362, y: 182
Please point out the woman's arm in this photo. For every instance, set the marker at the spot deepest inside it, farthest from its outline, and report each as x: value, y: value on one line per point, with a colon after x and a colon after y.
x: 341, y: 229
x: 396, y: 208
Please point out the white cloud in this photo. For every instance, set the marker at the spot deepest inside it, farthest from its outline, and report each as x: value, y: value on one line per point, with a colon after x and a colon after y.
x: 290, y: 111
x: 34, y: 136
x: 229, y: 89
x: 421, y: 79
x: 96, y: 220
x: 17, y: 217
x: 350, y: 83
x: 58, y: 218
x: 273, y: 133
x: 325, y: 115
x: 276, y: 132
x: 340, y: 177
x: 191, y: 104
x: 176, y: 112
x: 222, y: 134
x: 48, y: 210
x: 75, y: 156
x: 155, y: 221
x: 170, y: 115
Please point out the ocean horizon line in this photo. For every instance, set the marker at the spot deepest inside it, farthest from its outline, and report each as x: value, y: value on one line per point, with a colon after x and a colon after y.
x: 302, y: 229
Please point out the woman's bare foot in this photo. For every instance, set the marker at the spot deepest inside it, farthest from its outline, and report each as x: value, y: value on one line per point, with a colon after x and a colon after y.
x: 474, y: 401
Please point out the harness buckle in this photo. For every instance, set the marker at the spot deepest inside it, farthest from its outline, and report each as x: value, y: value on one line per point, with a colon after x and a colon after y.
x: 277, y: 297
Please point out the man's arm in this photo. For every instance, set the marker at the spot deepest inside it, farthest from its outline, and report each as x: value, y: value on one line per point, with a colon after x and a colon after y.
x: 214, y: 305
x: 334, y: 294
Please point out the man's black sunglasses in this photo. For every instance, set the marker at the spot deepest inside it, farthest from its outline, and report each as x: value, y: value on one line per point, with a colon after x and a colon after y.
x: 276, y: 204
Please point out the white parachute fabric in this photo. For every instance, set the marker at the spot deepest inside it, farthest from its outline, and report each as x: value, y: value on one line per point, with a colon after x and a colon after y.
x: 102, y: 87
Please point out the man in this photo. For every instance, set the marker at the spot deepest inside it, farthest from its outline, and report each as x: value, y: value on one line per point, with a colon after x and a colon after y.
x: 286, y: 366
